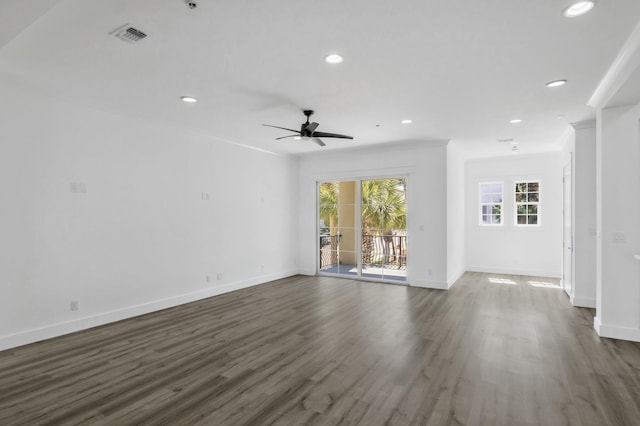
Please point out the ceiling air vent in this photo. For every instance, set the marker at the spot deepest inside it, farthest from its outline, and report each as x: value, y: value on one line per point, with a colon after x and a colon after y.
x: 128, y: 33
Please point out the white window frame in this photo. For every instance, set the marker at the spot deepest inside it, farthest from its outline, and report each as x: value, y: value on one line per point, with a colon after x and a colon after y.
x: 517, y: 203
x: 481, y: 204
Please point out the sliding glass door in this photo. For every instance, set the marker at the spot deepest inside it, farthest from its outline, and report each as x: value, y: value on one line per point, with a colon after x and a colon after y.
x: 362, y: 228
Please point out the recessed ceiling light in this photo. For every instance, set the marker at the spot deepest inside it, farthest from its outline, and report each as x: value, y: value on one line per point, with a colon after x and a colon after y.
x: 515, y: 121
x: 577, y: 8
x: 407, y: 121
x: 188, y: 99
x: 333, y: 58
x: 556, y: 83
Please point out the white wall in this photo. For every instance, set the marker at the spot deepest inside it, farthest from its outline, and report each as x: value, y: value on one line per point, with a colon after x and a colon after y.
x: 455, y: 213
x: 142, y: 237
x: 425, y: 165
x: 508, y: 248
x: 618, y: 201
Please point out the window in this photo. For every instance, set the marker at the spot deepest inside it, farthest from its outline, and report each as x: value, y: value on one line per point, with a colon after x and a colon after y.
x: 527, y: 203
x: 491, y: 203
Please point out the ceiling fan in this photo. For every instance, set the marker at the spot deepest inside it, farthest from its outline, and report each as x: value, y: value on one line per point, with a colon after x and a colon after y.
x: 308, y: 131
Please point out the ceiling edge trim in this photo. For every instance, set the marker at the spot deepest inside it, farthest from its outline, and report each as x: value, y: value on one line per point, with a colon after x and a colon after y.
x: 586, y: 124
x: 627, y: 61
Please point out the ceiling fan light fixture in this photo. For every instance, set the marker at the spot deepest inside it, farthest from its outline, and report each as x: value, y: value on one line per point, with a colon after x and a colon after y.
x: 407, y: 121
x: 297, y: 138
x: 188, y: 99
x: 578, y: 8
x: 556, y: 83
x: 515, y: 121
x: 334, y: 58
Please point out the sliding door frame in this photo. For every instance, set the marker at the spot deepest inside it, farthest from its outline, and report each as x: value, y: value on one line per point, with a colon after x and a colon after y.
x: 358, y: 227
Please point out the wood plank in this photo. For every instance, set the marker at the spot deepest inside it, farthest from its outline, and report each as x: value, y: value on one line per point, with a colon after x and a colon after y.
x: 493, y: 350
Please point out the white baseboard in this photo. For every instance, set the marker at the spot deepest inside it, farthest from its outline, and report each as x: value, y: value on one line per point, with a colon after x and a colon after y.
x: 59, y: 329
x: 582, y: 302
x: 438, y: 285
x: 507, y: 271
x: 616, y: 332
x: 455, y: 277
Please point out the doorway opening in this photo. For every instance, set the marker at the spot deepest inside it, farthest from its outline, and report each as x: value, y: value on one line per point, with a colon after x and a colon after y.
x: 362, y: 229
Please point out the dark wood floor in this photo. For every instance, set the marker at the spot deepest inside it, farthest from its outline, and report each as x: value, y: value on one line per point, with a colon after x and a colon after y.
x: 318, y: 350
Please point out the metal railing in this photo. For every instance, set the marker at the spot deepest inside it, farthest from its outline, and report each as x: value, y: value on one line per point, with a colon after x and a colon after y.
x: 384, y: 249
x: 329, y: 245
x: 376, y: 249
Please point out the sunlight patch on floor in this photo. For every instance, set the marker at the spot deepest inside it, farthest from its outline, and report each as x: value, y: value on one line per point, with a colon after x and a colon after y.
x: 544, y: 284
x: 502, y: 281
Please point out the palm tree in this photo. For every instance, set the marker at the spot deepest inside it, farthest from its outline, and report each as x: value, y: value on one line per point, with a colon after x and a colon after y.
x: 384, y: 208
x: 329, y: 204
x: 384, y: 204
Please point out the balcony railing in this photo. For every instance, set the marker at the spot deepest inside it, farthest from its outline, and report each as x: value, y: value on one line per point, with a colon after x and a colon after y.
x: 387, y: 250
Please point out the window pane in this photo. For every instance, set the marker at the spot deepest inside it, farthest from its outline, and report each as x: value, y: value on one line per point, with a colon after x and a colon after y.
x: 496, y: 188
x: 527, y: 197
x: 490, y: 187
x: 490, y: 198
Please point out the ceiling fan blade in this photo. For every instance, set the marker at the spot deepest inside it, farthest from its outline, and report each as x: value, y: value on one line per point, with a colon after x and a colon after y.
x: 318, y: 141
x: 331, y: 135
x: 290, y: 136
x: 283, y: 128
x: 311, y: 127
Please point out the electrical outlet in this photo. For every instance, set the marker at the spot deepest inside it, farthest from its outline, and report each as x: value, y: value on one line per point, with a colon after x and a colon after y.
x: 619, y: 237
x: 78, y: 187
x: 262, y: 267
x: 219, y: 276
x: 429, y: 272
x: 74, y: 305
x: 208, y: 278
x: 205, y: 196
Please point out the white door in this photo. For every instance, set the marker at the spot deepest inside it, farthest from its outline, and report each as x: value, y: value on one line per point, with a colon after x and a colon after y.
x: 567, y: 240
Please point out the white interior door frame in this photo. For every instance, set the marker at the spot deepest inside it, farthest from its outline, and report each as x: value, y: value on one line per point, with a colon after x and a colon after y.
x: 567, y: 228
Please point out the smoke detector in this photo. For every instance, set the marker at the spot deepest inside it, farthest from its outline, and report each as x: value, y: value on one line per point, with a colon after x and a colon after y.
x: 128, y: 33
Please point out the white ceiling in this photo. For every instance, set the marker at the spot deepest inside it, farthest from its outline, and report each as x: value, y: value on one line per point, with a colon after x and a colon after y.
x: 459, y: 69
